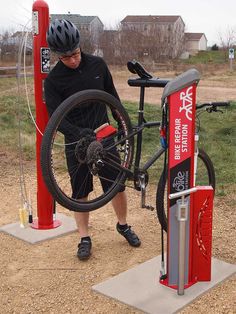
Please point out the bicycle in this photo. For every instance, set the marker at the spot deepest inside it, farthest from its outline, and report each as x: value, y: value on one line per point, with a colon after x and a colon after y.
x: 119, y: 134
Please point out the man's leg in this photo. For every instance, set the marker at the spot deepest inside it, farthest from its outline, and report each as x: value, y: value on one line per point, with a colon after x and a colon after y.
x: 82, y: 220
x: 119, y: 203
x: 85, y: 245
x: 81, y: 183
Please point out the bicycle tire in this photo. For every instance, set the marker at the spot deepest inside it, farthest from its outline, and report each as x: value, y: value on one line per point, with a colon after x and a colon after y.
x: 161, y: 195
x: 53, y: 164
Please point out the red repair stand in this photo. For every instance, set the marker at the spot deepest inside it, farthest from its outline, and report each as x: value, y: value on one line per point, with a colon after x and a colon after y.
x: 189, y: 234
x: 45, y: 202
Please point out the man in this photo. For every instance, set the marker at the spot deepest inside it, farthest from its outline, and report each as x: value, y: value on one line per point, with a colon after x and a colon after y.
x: 76, y: 71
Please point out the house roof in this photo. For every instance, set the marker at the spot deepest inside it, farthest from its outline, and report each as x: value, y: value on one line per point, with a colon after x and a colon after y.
x: 151, y: 19
x: 194, y: 36
x: 75, y: 18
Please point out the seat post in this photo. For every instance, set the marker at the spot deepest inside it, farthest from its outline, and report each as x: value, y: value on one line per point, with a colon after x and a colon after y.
x: 141, y: 105
x: 140, y: 121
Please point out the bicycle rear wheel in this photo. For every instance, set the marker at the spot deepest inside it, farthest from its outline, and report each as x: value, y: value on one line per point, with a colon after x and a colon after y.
x: 205, y: 176
x: 113, y: 154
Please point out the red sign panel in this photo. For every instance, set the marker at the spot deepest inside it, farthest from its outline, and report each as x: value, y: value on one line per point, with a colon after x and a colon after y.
x: 182, y: 114
x: 202, y: 233
x: 181, y: 138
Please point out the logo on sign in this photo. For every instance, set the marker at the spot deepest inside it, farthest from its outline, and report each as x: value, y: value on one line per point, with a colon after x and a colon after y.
x: 180, y: 182
x: 187, y: 103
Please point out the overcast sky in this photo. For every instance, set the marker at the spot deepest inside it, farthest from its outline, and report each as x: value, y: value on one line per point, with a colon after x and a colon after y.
x: 212, y: 17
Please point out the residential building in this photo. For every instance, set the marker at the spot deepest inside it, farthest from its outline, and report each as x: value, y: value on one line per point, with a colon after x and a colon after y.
x: 10, y: 43
x: 195, y: 42
x: 161, y: 34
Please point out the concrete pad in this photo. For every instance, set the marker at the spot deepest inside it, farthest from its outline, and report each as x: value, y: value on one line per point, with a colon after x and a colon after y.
x: 35, y: 235
x: 139, y: 287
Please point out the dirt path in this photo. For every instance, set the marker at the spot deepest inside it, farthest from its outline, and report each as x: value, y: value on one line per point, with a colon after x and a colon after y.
x: 48, y: 278
x: 209, y: 88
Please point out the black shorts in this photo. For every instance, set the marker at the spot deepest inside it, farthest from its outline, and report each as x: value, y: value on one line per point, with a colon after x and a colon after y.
x: 82, y: 180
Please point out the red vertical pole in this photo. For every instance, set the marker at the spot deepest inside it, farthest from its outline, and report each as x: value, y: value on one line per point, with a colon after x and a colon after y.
x: 45, y: 202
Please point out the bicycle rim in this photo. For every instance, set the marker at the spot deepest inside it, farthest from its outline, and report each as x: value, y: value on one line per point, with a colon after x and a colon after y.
x: 115, y: 152
x: 205, y: 176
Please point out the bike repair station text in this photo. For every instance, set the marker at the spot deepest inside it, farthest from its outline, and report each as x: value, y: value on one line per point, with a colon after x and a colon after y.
x: 181, y: 139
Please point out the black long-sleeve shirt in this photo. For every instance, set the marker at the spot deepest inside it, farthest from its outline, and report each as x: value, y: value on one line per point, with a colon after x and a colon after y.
x: 63, y: 82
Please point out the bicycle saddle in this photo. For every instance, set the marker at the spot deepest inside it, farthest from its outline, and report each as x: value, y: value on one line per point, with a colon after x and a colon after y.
x: 136, y: 68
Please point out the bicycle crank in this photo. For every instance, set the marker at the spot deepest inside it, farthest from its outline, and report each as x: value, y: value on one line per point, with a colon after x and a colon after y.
x: 143, y: 180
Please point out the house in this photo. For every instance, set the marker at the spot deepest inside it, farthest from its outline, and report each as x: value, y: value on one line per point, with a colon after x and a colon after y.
x: 195, y: 42
x: 90, y: 27
x: 163, y: 32
x: 10, y: 44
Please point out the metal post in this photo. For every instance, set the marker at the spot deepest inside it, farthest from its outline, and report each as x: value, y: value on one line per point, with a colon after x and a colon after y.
x: 45, y: 202
x: 231, y: 64
x: 182, y: 218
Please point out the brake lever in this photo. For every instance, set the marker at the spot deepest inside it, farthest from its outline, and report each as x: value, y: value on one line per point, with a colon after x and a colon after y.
x: 210, y: 110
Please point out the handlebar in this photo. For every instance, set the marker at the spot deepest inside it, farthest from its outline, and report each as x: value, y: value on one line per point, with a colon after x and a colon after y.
x: 213, y: 106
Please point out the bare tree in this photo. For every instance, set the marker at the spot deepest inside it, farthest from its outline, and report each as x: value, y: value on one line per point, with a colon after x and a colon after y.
x: 110, y: 46
x: 151, y: 43
x: 87, y: 43
x: 228, y: 38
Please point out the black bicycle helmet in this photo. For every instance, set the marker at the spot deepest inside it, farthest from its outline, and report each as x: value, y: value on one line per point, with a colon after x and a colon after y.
x: 63, y: 36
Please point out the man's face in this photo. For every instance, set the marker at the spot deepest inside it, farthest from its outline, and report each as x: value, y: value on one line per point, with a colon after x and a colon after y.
x: 72, y: 61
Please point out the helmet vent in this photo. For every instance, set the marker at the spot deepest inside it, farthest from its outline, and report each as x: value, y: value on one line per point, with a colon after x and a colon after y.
x: 59, y: 28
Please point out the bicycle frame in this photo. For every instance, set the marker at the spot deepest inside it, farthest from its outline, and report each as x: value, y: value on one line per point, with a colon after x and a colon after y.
x: 142, y: 125
x: 137, y: 130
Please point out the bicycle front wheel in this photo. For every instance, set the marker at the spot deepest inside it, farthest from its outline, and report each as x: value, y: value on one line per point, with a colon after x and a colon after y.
x: 87, y: 186
x: 205, y: 176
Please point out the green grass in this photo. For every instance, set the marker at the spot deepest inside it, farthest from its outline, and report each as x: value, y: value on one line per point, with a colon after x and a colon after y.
x: 204, y: 57
x: 14, y: 112
x: 218, y: 139
x: 151, y: 138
